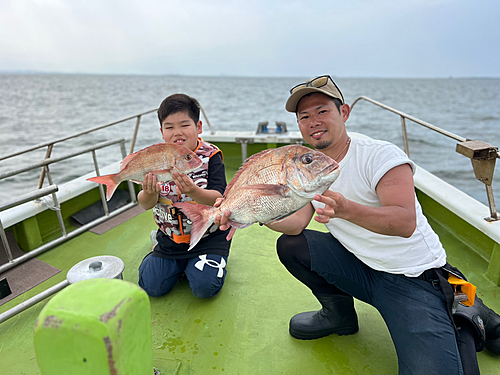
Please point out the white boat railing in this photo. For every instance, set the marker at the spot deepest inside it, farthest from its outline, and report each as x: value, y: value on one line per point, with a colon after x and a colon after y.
x: 55, y: 204
x: 50, y: 144
x: 483, y: 155
x: 45, y: 172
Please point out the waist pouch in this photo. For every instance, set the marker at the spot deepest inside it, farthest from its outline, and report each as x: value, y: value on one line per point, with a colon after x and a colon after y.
x: 451, y: 280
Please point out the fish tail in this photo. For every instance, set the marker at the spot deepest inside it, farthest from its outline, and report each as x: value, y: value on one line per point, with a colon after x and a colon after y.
x: 111, y: 181
x: 201, y: 216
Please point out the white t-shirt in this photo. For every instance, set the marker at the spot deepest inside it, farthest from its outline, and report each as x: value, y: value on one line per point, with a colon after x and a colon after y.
x: 366, y: 162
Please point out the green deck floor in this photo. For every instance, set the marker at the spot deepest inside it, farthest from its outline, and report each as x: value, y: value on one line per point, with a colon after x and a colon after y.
x: 243, y: 330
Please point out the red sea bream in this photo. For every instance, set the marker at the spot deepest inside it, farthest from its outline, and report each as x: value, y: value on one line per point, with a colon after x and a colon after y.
x: 161, y: 159
x: 270, y: 186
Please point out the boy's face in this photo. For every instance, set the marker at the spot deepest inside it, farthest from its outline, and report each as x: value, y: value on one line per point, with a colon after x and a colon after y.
x: 180, y: 129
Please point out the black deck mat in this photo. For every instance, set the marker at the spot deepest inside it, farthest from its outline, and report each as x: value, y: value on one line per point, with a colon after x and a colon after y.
x: 26, y: 275
x: 117, y: 220
x: 119, y: 199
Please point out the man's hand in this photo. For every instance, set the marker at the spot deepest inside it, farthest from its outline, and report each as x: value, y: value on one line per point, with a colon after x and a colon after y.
x: 221, y: 220
x: 395, y: 217
x: 335, y: 205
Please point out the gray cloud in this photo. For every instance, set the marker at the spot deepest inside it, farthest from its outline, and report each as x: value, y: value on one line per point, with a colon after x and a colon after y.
x: 380, y: 38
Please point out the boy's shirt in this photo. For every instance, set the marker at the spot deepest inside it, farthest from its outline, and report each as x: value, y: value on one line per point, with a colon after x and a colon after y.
x: 174, y: 225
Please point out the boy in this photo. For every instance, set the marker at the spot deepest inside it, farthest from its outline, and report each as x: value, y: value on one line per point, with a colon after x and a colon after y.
x: 204, y: 265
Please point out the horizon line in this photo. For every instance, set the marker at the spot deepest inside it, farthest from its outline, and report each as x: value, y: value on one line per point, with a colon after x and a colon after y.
x: 41, y: 72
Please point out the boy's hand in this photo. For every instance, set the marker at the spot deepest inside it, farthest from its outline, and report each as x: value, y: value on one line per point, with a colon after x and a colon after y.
x: 183, y: 183
x: 148, y: 196
x: 150, y: 185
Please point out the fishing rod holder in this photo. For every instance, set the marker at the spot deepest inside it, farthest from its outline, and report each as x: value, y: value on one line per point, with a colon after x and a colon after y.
x: 483, y: 157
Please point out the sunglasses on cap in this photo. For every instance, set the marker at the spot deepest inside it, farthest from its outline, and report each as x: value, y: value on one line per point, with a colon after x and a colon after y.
x: 318, y: 82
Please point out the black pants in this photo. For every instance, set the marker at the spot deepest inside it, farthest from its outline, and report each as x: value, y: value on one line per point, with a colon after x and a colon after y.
x: 295, y: 255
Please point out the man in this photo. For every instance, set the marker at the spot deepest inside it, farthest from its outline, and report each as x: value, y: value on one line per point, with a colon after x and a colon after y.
x: 380, y: 248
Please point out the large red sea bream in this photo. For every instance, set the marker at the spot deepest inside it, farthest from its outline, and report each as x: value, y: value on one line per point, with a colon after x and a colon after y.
x: 270, y: 186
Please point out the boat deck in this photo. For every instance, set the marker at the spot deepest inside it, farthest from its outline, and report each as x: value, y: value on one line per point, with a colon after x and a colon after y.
x: 244, y: 329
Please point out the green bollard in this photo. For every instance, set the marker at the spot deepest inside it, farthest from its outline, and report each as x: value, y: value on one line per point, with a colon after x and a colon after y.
x: 97, y: 326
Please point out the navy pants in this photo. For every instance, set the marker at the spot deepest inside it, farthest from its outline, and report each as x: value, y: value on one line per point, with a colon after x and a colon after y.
x: 205, y: 273
x: 413, y: 309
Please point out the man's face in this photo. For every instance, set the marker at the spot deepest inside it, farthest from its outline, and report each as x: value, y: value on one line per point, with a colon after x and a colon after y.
x: 319, y: 120
x: 180, y: 129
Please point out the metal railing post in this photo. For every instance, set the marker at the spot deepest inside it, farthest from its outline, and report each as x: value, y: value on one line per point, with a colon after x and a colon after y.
x: 244, y: 148
x: 206, y: 118
x: 405, y: 136
x: 101, y: 188
x: 130, y: 185
x: 17, y: 201
x: 5, y: 242
x: 491, y: 201
x: 57, y: 207
x: 42, y: 173
x: 134, y: 137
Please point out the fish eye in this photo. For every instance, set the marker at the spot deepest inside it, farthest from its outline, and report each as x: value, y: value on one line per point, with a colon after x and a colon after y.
x: 188, y: 157
x: 306, y: 159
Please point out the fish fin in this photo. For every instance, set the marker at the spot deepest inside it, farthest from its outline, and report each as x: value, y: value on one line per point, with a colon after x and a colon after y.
x: 127, y: 159
x: 234, y: 225
x: 111, y: 181
x: 231, y: 233
x: 280, y: 218
x: 267, y: 189
x: 153, y: 148
x: 201, y: 216
x: 249, y: 161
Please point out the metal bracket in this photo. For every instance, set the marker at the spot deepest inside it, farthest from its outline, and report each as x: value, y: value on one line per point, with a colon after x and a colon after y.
x: 483, y: 157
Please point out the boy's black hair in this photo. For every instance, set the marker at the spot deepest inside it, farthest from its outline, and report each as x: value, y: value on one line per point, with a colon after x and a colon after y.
x: 179, y: 103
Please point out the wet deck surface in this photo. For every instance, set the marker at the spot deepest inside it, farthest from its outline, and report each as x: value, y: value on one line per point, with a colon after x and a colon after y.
x: 243, y: 330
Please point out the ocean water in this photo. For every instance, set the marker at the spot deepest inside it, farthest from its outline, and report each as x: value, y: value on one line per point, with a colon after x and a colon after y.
x: 35, y: 108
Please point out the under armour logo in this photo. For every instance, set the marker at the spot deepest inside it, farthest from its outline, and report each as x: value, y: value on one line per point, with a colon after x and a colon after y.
x: 212, y: 263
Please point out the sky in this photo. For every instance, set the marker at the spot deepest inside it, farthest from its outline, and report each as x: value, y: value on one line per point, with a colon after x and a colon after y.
x: 264, y: 38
